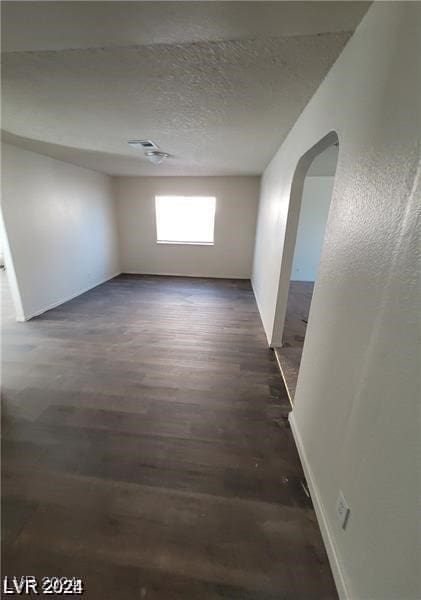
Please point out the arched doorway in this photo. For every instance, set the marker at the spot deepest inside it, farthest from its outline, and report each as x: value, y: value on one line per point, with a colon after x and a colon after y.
x: 311, y: 195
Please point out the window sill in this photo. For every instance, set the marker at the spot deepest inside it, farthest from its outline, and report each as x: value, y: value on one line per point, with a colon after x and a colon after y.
x: 162, y: 242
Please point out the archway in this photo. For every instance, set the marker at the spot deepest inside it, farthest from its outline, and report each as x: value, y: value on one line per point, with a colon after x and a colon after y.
x: 311, y: 193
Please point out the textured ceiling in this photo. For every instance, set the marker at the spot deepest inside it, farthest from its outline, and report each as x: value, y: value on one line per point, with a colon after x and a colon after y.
x: 217, y: 85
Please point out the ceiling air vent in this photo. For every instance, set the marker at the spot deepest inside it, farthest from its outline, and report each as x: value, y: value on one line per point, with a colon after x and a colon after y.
x: 143, y: 144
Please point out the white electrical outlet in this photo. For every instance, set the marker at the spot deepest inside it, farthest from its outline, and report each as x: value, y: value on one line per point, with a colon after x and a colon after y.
x: 342, y: 510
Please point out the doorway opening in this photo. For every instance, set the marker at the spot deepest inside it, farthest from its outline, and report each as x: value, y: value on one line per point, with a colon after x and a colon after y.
x: 310, y: 233
x: 10, y: 299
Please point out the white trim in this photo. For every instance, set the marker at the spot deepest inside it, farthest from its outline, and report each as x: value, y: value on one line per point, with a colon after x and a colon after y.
x: 328, y: 539
x: 201, y: 276
x: 64, y: 300
x: 291, y: 401
x: 175, y: 243
x: 256, y: 298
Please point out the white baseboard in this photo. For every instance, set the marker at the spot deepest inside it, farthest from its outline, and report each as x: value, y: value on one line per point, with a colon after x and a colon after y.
x: 335, y: 563
x: 200, y: 276
x: 291, y: 401
x: 256, y: 297
x: 25, y: 317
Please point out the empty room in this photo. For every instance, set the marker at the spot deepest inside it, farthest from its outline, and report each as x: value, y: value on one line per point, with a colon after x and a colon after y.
x: 210, y: 300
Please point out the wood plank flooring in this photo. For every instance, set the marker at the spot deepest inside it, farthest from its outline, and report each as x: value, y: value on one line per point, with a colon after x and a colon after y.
x: 146, y: 449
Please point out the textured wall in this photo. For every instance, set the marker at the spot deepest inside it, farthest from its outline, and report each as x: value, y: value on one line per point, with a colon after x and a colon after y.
x: 60, y: 226
x: 235, y: 224
x: 357, y: 404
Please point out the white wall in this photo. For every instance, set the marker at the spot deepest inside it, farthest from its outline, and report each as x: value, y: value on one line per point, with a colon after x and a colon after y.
x: 235, y: 224
x: 356, y: 417
x: 314, y: 211
x: 60, y: 225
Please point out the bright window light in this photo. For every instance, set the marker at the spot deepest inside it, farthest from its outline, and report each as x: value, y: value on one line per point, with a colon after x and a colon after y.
x: 185, y: 219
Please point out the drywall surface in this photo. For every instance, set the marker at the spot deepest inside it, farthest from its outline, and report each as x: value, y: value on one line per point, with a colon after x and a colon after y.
x: 314, y: 211
x: 60, y: 225
x: 357, y: 404
x: 235, y: 224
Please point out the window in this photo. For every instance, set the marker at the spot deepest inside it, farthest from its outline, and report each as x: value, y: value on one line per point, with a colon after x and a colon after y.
x: 185, y: 219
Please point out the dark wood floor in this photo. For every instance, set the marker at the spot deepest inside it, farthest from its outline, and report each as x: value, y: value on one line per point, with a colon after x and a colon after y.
x: 289, y: 356
x: 146, y: 448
